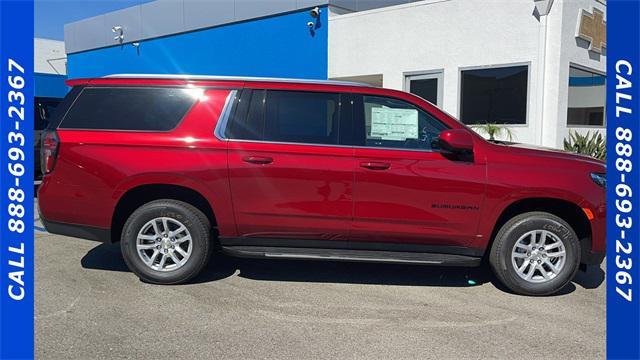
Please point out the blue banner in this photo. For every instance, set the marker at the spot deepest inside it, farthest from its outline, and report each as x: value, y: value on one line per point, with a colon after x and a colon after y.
x: 623, y: 179
x: 16, y: 179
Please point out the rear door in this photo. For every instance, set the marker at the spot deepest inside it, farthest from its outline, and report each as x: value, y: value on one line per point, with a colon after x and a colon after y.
x: 290, y: 177
x: 406, y: 191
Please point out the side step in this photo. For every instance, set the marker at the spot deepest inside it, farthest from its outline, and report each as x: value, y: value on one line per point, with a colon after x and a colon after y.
x: 352, y: 255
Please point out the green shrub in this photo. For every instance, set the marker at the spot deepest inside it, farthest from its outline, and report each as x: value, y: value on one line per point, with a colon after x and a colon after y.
x: 594, y: 145
x: 492, y: 130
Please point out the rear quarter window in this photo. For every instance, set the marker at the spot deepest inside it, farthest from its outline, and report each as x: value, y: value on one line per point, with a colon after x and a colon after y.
x: 128, y: 109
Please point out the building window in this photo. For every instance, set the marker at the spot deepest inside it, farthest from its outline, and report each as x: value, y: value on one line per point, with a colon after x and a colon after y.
x: 494, y: 95
x: 587, y: 95
x: 427, y: 85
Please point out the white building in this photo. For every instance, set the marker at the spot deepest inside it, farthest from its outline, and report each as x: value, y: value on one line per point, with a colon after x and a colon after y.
x: 501, y: 61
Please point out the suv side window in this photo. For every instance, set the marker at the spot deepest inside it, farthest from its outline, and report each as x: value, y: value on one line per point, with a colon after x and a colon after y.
x: 287, y: 116
x: 392, y: 123
x: 247, y: 121
x: 128, y: 109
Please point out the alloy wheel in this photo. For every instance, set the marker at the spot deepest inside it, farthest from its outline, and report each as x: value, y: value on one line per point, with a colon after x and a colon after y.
x: 538, y: 256
x: 164, y: 244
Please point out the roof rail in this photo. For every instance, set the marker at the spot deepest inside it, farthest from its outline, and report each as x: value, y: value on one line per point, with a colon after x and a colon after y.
x: 232, y: 78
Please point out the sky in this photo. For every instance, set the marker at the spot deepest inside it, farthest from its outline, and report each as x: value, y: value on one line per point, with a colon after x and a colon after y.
x: 51, y: 15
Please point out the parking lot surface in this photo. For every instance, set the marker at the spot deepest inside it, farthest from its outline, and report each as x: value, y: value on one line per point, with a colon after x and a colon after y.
x: 88, y: 305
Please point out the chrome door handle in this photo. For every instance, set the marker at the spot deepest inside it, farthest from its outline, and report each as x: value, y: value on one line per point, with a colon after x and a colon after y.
x: 260, y: 160
x: 375, y: 165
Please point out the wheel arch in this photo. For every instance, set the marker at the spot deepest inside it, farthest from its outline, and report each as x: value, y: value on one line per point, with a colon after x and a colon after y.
x: 564, y: 209
x: 139, y: 195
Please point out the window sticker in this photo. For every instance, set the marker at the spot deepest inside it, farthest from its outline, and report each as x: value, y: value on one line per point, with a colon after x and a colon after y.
x: 394, y: 124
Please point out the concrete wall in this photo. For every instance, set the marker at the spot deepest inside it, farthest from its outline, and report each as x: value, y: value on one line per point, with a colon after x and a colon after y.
x: 276, y: 46
x: 451, y: 35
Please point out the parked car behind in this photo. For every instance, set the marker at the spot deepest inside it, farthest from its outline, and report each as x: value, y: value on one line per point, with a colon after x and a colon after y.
x: 175, y: 167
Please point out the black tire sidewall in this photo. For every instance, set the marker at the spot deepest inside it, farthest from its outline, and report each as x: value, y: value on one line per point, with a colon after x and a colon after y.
x: 181, y: 212
x: 512, y: 231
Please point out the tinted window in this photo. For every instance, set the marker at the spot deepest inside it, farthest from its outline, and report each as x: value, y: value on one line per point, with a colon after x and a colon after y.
x: 393, y: 123
x: 425, y: 88
x: 248, y: 119
x: 587, y: 97
x: 286, y: 116
x: 148, y: 109
x: 62, y: 108
x: 302, y: 117
x: 496, y: 95
x: 44, y: 109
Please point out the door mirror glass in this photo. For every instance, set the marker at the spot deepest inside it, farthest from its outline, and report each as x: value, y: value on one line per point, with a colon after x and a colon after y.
x: 455, y: 141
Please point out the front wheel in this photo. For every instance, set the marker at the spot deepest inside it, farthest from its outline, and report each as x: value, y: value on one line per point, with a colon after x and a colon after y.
x: 166, y: 242
x: 535, y: 253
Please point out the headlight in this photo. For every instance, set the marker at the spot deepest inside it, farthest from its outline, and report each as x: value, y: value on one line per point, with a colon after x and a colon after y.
x: 600, y: 179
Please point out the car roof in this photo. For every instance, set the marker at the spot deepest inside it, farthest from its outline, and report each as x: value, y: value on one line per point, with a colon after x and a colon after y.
x: 188, y: 77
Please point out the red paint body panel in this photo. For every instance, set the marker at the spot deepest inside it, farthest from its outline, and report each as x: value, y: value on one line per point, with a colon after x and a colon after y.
x: 305, y: 193
x: 95, y: 168
x: 296, y: 191
x: 408, y: 202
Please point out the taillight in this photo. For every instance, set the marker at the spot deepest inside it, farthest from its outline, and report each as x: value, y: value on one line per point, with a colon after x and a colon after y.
x: 48, y: 151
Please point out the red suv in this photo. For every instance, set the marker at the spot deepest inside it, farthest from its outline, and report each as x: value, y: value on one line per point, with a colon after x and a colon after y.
x: 174, y: 167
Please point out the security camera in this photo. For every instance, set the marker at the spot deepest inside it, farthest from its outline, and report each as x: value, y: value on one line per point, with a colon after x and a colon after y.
x: 119, y: 33
x: 311, y: 24
x: 315, y: 12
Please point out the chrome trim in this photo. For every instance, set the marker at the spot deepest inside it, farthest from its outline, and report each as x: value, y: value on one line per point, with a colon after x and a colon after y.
x: 233, y: 78
x: 289, y: 143
x: 330, y: 145
x: 224, y: 116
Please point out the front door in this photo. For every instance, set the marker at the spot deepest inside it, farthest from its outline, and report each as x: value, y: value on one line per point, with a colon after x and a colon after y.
x: 405, y: 191
x: 289, y: 177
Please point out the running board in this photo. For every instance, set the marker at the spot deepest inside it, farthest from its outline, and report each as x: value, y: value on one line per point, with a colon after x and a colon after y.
x: 352, y: 255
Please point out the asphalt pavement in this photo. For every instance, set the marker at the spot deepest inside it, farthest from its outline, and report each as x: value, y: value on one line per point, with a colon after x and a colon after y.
x: 89, y: 306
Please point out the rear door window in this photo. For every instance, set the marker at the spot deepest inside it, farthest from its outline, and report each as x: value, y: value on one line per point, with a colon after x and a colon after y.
x: 287, y: 116
x: 129, y: 109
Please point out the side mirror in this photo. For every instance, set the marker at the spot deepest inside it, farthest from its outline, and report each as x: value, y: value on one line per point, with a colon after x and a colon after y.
x: 456, y: 141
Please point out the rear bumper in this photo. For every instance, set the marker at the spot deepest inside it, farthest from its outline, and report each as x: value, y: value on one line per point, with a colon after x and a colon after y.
x: 77, y: 231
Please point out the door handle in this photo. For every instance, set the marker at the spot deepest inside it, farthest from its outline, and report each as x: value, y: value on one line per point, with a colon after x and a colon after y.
x: 375, y: 165
x: 261, y: 160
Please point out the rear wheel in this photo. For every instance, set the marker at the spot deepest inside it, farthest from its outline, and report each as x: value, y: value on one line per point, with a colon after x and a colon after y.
x: 535, y: 253
x: 166, y: 242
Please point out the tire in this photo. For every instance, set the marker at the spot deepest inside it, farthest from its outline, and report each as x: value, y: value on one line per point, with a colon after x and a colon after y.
x: 505, y: 257
x: 154, y: 217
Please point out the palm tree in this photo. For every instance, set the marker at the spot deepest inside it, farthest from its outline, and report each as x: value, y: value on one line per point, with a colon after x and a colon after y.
x: 492, y: 130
